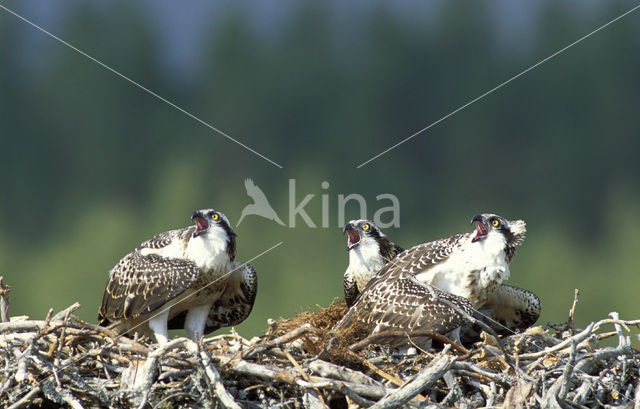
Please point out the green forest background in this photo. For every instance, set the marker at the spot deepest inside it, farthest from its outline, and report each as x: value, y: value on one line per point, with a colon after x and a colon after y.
x: 91, y: 165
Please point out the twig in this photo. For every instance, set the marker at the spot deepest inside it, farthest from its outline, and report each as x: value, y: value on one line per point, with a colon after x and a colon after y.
x: 424, y: 379
x: 572, y: 311
x: 582, y: 392
x: 454, y: 389
x: 66, y: 312
x: 568, y: 370
x: 304, y: 375
x: 370, y: 391
x: 587, y: 365
x: 218, y: 387
x: 329, y: 370
x: 359, y: 400
x: 397, y: 381
x: 477, y: 371
x: 276, y: 342
x: 26, y: 399
x: 577, y: 338
x: 622, y: 339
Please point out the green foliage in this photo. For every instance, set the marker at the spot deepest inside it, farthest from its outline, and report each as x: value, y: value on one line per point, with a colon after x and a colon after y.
x: 91, y: 165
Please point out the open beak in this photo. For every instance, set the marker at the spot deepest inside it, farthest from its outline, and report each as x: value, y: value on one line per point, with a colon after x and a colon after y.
x: 354, y: 236
x: 482, y: 228
x: 202, y: 225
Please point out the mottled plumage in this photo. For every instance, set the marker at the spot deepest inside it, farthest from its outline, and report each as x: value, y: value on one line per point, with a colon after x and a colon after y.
x: 470, y: 265
x: 507, y: 309
x: 235, y: 303
x: 511, y: 309
x: 180, y: 279
x: 369, y: 251
x: 395, y: 300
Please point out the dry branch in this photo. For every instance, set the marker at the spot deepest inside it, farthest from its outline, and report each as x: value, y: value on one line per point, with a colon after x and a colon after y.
x: 63, y: 361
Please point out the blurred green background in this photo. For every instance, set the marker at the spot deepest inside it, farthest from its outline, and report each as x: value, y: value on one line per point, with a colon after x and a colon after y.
x: 92, y: 165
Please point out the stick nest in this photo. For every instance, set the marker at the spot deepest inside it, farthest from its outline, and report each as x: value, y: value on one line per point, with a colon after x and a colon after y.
x: 301, y: 362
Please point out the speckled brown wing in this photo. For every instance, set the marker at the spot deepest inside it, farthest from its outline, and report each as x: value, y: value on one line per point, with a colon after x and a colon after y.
x: 398, y: 301
x: 350, y: 289
x: 141, y: 284
x: 164, y: 239
x: 508, y: 311
x: 420, y: 258
x: 235, y: 303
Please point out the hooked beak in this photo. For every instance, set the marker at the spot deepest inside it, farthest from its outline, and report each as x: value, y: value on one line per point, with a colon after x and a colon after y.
x: 202, y: 225
x: 482, y: 228
x: 354, y: 236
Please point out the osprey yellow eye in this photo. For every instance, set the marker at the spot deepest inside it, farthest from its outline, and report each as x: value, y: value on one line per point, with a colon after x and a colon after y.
x: 215, y: 217
x: 365, y: 227
x: 495, y: 222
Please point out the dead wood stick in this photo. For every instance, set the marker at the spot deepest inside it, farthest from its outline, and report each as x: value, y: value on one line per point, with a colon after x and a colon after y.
x: 370, y: 391
x: 5, y: 291
x: 588, y: 365
x: 60, y: 341
x: 131, y: 345
x: 150, y: 369
x: 303, y: 374
x: 245, y: 368
x: 329, y: 370
x: 567, y: 372
x: 479, y: 372
x: 622, y: 339
x: 341, y: 387
x: 572, y: 311
x: 66, y: 312
x: 624, y: 323
x: 28, y: 326
x: 375, y: 338
x: 276, y: 342
x: 455, y: 392
x: 424, y: 379
x: 26, y: 399
x: 578, y: 338
x: 98, y: 328
x: 550, y: 398
x: 394, y: 379
x: 218, y: 387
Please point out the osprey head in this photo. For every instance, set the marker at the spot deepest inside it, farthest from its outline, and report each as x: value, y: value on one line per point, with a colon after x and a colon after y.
x: 208, y: 219
x: 486, y: 223
x: 361, y: 231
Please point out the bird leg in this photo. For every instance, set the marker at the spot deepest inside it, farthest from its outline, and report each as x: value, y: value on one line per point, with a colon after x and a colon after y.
x: 158, y: 325
x: 196, y: 320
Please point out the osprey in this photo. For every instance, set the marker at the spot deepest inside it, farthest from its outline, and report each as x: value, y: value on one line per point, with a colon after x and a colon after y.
x: 471, y: 265
x: 185, y: 278
x: 369, y: 250
x: 507, y: 310
x: 395, y: 300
